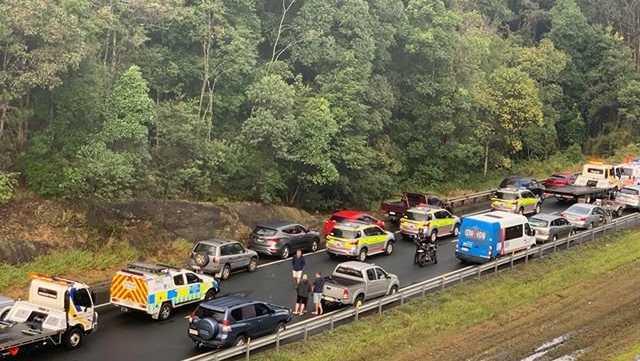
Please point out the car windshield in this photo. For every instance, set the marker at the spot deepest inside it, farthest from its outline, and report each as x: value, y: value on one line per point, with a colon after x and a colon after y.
x: 344, y: 233
x: 348, y: 272
x: 559, y: 176
x: 202, y: 312
x: 537, y: 222
x: 631, y: 191
x: 338, y: 219
x: 507, y: 196
x: 204, y: 248
x: 417, y: 216
x: 578, y: 209
x: 264, y: 231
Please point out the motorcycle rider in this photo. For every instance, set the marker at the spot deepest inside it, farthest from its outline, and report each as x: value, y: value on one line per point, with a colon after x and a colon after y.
x: 428, y: 248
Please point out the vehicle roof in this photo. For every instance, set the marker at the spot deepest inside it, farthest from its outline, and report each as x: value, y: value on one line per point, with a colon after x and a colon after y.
x: 563, y: 174
x: 512, y: 190
x: 153, y: 270
x: 356, y: 265
x: 585, y: 205
x: 356, y: 226
x: 349, y: 213
x: 503, y: 218
x: 425, y: 209
x: 546, y: 217
x: 226, y: 302
x: 216, y: 242
x: 276, y: 224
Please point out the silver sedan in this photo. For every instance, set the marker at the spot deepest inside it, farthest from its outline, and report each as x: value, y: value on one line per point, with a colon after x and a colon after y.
x: 586, y: 216
x: 551, y: 227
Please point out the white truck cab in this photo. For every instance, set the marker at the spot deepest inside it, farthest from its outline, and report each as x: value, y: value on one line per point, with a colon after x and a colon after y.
x: 599, y: 175
x: 58, y: 311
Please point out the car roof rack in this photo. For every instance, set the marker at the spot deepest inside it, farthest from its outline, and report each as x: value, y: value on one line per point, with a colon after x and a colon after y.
x: 150, y: 268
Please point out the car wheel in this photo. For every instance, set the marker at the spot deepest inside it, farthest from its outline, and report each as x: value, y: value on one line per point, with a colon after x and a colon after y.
x: 590, y: 225
x: 434, y: 236
x: 521, y: 211
x: 572, y: 233
x: 314, y: 245
x: 282, y: 326
x: 73, y: 338
x: 389, y: 248
x: 240, y: 341
x: 362, y: 256
x: 165, y: 311
x: 620, y: 212
x: 554, y: 238
x: 4, y: 315
x: 226, y: 272
x: 253, y: 264
x: 359, y: 301
x: 538, y: 208
x: 332, y: 256
x: 210, y: 295
x: 456, y: 230
x: 285, y: 252
x: 393, y: 290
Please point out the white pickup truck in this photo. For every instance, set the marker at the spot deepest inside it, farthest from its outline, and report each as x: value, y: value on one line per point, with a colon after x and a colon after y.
x: 353, y: 283
x: 58, y: 311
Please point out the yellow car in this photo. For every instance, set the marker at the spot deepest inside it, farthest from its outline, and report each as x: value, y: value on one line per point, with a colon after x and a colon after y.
x: 521, y: 201
x: 359, y: 240
x: 437, y: 222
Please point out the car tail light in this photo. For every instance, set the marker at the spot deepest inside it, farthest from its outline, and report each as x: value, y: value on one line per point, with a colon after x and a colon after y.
x: 583, y: 218
x: 345, y: 294
x: 226, y: 326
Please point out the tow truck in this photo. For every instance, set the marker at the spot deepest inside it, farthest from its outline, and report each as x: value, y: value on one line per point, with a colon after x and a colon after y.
x: 58, y: 311
x: 597, y: 181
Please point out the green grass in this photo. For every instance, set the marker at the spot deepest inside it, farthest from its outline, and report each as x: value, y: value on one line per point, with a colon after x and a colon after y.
x: 376, y: 338
x: 632, y: 353
x: 79, y: 263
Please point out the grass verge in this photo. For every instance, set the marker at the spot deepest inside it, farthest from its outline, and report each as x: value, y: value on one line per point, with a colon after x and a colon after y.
x: 86, y: 265
x: 405, y: 329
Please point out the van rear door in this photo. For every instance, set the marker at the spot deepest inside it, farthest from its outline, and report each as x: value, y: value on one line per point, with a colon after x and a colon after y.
x: 478, y: 238
x: 130, y: 290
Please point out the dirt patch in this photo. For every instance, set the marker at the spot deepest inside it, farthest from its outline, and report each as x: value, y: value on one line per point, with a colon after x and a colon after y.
x: 594, y: 319
x: 148, y: 222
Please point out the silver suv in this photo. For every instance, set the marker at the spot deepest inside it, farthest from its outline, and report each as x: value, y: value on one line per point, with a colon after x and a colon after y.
x: 220, y: 258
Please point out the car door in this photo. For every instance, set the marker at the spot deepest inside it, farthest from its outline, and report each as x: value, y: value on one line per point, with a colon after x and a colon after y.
x: 194, y: 284
x: 301, y: 237
x: 226, y: 255
x: 446, y: 222
x: 529, y: 201
x: 241, y: 256
x: 384, y: 278
x: 181, y: 289
x: 252, y: 323
x: 600, y: 215
x: 306, y: 236
x: 83, y: 307
x: 370, y: 240
x: 266, y: 322
x: 564, y: 227
x: 375, y: 286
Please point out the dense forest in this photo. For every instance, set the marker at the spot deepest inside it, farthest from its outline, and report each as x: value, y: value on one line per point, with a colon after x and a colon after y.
x: 309, y: 102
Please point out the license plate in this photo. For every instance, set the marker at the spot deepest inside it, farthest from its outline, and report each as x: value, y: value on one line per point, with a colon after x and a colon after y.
x: 193, y: 332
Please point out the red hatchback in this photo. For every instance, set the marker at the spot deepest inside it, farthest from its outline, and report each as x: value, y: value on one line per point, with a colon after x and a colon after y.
x: 344, y: 216
x: 560, y: 180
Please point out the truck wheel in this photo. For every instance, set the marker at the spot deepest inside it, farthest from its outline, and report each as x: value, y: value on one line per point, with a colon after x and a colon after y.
x: 362, y: 256
x: 165, y: 311
x: 393, y: 290
x: 359, y: 301
x: 253, y: 265
x: 73, y: 338
x: 389, y: 248
x: 226, y: 272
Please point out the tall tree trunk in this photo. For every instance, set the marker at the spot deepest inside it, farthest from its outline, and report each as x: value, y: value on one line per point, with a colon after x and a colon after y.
x: 486, y: 158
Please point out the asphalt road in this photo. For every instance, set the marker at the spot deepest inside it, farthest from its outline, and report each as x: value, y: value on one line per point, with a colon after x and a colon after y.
x: 125, y: 337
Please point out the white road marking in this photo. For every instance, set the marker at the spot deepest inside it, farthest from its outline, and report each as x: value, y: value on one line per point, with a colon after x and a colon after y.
x: 289, y: 259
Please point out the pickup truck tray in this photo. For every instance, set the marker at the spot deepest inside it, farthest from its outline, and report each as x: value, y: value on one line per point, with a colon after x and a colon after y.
x: 21, y: 334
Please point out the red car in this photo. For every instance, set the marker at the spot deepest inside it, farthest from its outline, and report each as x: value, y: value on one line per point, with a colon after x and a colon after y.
x: 343, y: 216
x: 560, y: 180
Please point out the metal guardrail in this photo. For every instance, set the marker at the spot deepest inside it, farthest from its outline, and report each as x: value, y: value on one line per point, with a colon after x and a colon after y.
x: 469, y: 198
x: 302, y: 329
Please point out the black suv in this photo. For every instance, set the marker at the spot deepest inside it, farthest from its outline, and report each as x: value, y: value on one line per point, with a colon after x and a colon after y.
x: 524, y: 182
x: 231, y: 320
x: 283, y: 239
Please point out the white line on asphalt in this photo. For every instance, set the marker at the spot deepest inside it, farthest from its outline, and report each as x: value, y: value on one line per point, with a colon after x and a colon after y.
x: 289, y: 259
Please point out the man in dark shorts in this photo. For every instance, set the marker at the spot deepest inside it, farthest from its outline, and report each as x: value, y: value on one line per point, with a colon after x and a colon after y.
x: 302, y: 292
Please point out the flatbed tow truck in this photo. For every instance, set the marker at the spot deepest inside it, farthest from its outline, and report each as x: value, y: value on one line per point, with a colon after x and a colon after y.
x: 58, y: 312
x: 597, y: 181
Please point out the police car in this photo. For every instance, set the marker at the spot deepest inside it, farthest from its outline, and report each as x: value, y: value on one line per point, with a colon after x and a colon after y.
x: 158, y: 289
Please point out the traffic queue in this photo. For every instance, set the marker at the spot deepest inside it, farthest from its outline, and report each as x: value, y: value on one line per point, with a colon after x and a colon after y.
x: 61, y: 311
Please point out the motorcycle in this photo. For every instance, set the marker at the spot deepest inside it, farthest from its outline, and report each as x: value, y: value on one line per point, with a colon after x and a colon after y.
x: 426, y: 252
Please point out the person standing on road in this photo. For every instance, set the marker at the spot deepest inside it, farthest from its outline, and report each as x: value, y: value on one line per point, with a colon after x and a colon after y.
x: 297, y: 263
x: 318, y: 285
x: 302, y: 295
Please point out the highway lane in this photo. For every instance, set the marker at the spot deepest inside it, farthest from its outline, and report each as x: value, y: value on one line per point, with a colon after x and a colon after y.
x: 125, y: 337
